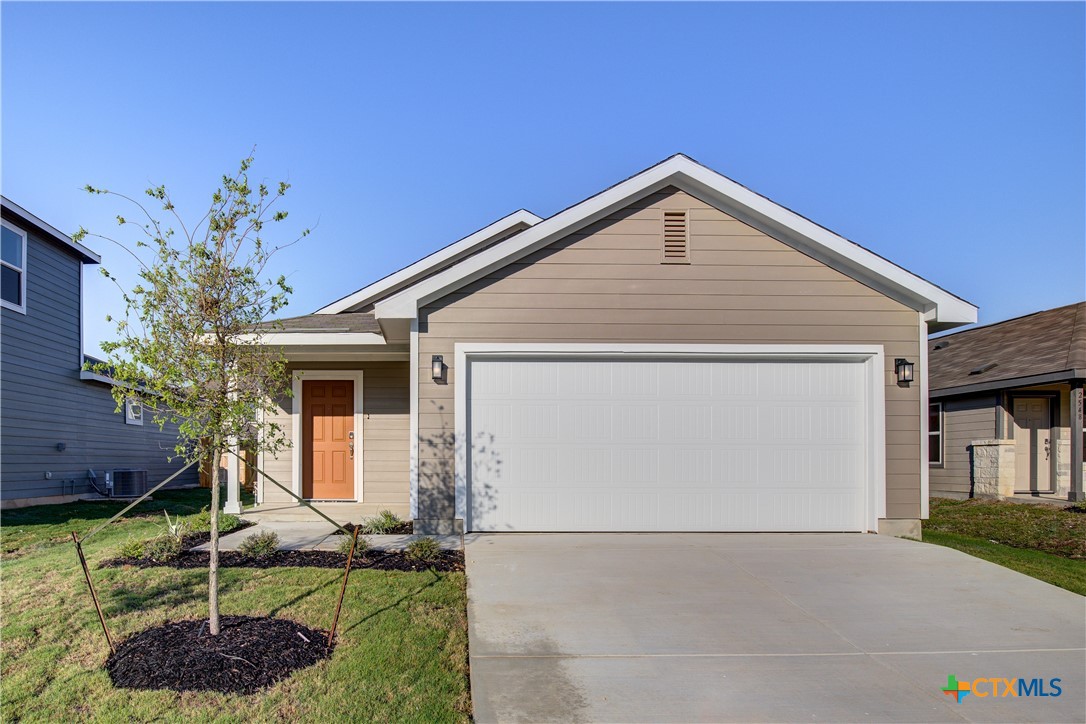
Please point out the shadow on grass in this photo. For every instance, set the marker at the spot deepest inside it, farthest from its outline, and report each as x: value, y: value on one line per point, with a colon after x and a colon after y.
x: 302, y: 596
x: 434, y: 580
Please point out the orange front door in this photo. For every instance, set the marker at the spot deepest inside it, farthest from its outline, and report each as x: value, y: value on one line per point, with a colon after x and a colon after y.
x: 328, y: 439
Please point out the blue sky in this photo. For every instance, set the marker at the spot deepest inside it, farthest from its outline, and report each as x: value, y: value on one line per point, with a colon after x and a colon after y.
x: 948, y: 138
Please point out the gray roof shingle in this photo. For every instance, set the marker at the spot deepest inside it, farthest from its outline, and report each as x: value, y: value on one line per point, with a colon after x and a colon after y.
x: 1037, y: 344
x: 345, y: 322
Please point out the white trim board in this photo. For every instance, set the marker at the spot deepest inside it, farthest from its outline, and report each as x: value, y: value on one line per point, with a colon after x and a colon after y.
x: 21, y: 307
x: 872, y: 356
x: 504, y: 226
x: 87, y: 256
x: 296, y: 426
x: 939, y: 306
x: 313, y: 339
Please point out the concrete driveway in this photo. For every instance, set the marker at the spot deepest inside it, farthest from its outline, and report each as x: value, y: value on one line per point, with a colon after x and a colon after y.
x: 719, y: 627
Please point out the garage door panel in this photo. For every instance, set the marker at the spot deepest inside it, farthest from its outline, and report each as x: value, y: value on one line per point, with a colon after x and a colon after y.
x: 629, y: 445
x: 586, y: 423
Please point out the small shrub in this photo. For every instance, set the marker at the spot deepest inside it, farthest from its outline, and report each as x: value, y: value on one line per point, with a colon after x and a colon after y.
x: 132, y: 549
x: 384, y: 522
x: 360, y: 548
x: 163, y: 548
x: 260, y: 545
x: 227, y: 522
x: 201, y: 522
x: 423, y: 550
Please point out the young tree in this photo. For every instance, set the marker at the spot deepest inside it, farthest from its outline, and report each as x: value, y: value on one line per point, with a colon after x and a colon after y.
x: 186, y: 348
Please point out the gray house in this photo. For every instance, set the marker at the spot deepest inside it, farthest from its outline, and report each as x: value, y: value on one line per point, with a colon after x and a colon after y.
x: 1005, y: 413
x: 59, y: 423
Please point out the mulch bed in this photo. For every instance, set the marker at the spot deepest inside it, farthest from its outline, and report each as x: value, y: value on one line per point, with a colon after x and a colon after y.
x: 190, y: 540
x: 249, y: 653
x: 374, y: 559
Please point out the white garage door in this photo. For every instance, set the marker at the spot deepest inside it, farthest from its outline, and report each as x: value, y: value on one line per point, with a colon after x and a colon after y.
x: 666, y: 445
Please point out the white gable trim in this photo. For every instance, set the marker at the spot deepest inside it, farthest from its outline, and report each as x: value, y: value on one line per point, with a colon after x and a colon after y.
x: 938, y: 305
x: 513, y: 222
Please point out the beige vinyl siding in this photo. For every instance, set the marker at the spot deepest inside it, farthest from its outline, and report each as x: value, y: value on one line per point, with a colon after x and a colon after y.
x: 964, y: 420
x: 385, y: 435
x: 605, y: 283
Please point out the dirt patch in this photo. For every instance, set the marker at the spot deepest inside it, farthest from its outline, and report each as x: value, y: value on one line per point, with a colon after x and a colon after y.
x: 249, y: 654
x: 377, y: 560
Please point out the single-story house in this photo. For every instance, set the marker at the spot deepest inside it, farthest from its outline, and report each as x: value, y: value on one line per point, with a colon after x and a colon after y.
x: 674, y: 353
x: 60, y: 431
x: 1006, y: 407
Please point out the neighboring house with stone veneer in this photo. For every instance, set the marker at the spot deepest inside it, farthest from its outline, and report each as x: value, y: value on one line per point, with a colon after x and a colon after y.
x: 60, y: 432
x: 674, y: 353
x: 1005, y: 415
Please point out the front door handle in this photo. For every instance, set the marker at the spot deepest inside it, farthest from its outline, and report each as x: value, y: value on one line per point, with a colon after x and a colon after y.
x: 1048, y: 450
x: 350, y: 446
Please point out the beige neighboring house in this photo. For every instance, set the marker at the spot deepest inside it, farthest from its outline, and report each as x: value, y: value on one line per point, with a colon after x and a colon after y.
x: 1006, y: 407
x: 675, y: 353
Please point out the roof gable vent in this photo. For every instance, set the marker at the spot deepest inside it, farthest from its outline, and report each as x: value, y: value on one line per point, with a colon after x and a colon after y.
x: 676, y: 237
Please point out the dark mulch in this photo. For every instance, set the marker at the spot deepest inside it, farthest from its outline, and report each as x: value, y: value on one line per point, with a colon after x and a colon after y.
x: 373, y: 559
x: 404, y: 528
x: 190, y: 540
x: 249, y: 654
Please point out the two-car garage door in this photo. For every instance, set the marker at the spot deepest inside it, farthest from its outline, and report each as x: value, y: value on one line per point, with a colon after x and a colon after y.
x: 644, y: 444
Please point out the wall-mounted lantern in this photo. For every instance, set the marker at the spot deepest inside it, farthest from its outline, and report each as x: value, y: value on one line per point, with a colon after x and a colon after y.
x: 904, y: 370
x: 437, y: 367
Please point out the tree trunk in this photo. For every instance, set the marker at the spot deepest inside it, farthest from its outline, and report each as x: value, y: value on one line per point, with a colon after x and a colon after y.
x: 213, y: 568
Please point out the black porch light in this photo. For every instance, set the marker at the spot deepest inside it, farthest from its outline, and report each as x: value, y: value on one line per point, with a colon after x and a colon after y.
x: 904, y: 370
x: 437, y: 367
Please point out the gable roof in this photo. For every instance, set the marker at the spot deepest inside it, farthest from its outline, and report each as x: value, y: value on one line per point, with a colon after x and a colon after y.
x: 501, y: 229
x: 942, y: 309
x: 85, y: 255
x: 1024, y: 350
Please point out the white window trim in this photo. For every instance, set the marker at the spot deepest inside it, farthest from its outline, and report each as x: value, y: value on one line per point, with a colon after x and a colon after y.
x: 871, y: 355
x: 20, y: 308
x: 296, y: 427
x: 939, y: 434
x: 130, y: 406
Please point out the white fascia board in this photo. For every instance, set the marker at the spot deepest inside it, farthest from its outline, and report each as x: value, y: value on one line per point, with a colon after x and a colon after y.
x: 826, y: 246
x: 714, y: 188
x: 89, y: 256
x: 314, y: 339
x: 521, y: 219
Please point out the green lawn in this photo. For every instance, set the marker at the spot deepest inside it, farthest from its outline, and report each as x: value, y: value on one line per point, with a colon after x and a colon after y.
x: 402, y: 654
x: 1046, y: 542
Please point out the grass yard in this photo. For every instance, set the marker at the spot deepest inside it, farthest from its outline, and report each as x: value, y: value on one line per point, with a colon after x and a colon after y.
x: 402, y: 653
x: 1042, y: 541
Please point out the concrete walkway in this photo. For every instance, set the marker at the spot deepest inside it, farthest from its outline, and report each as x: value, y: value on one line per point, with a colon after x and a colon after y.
x: 310, y: 536
x: 704, y: 627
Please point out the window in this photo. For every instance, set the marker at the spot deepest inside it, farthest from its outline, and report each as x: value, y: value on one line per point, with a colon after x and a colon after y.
x: 13, y: 267
x: 133, y: 412
x: 935, y: 434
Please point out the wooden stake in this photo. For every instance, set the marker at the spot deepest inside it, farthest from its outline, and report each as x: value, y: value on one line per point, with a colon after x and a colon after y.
x: 343, y: 588
x: 94, y: 596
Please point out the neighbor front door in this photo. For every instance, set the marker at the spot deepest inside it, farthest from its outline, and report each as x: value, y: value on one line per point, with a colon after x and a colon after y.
x: 1033, y: 445
x: 328, y: 439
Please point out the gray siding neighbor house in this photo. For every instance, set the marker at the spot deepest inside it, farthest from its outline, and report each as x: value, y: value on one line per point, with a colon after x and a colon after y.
x: 1005, y: 412
x: 57, y: 422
